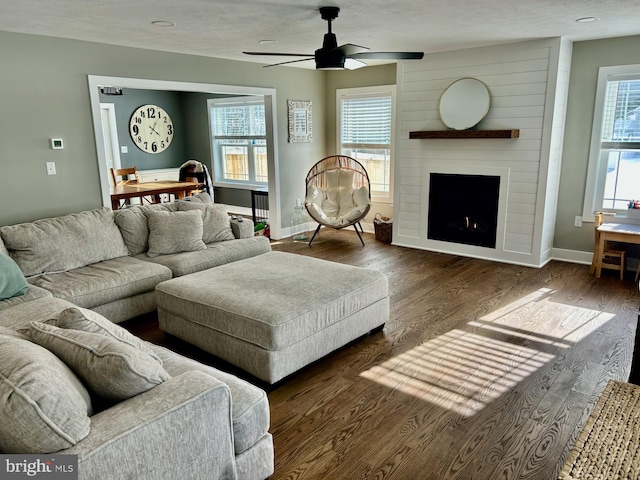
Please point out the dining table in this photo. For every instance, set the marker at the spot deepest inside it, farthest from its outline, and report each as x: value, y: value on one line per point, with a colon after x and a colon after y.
x: 133, y: 189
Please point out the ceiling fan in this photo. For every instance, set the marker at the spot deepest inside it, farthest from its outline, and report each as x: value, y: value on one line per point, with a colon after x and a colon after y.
x: 334, y: 57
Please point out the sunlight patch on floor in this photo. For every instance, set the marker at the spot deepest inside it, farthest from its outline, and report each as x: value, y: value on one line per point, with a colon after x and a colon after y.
x: 465, y: 369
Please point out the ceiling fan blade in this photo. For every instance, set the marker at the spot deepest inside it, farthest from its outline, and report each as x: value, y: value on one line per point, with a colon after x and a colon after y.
x: 273, y: 54
x: 290, y: 61
x: 352, y: 64
x: 389, y: 55
x: 349, y: 49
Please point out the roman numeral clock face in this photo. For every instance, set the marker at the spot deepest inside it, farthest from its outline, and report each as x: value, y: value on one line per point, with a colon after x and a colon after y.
x: 151, y: 129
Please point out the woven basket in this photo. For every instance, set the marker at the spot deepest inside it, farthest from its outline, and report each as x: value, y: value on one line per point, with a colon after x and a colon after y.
x: 383, y: 227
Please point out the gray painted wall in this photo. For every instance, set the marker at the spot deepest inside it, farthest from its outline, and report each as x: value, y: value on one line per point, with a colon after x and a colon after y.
x: 45, y: 94
x: 587, y: 58
x: 126, y: 104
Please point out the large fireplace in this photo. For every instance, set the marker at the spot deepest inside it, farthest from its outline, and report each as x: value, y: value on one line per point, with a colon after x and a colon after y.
x: 463, y: 208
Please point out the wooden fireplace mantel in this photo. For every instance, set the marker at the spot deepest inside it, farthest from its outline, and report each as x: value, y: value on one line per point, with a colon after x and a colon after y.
x: 426, y: 134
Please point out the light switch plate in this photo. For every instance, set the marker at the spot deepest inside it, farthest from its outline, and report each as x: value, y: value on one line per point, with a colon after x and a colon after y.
x: 51, y: 168
x: 124, y: 149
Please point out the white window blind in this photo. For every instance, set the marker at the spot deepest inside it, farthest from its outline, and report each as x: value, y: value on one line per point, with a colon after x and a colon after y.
x: 366, y: 121
x: 233, y: 120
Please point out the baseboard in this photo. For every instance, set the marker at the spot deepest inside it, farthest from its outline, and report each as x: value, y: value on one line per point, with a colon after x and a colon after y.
x: 571, y: 256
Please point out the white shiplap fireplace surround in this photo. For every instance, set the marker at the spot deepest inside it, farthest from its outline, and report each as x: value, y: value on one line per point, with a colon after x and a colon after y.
x: 528, y: 83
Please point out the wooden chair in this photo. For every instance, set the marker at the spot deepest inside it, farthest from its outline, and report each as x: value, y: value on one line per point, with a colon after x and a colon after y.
x: 120, y: 176
x: 613, y: 258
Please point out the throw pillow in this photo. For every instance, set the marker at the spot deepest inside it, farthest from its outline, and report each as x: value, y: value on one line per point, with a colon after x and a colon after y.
x: 76, y: 318
x: 112, y: 369
x: 215, y: 221
x: 133, y: 225
x: 12, y: 281
x: 44, y: 406
x: 202, y: 197
x: 174, y: 232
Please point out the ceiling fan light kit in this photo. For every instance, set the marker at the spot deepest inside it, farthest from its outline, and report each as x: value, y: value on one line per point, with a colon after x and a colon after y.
x: 334, y: 57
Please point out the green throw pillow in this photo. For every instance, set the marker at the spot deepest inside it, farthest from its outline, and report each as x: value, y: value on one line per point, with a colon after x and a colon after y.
x: 12, y: 281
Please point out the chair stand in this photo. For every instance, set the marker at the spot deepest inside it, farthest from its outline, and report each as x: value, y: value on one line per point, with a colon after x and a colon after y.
x: 355, y: 226
x: 314, y: 234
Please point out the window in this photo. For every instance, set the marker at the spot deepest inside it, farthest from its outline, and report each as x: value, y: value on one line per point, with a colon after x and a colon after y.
x: 239, y: 142
x: 614, y: 160
x: 365, y: 132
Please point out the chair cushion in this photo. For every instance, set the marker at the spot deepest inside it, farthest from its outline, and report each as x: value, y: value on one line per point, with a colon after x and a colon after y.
x: 338, y: 221
x: 175, y: 232
x: 104, y: 282
x: 66, y: 242
x: 44, y: 407
x: 12, y: 281
x: 112, y: 369
x: 216, y: 254
x: 216, y: 226
x: 76, y: 318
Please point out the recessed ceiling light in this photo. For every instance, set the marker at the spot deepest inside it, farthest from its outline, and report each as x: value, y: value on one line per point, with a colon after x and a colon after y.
x: 163, y: 23
x: 267, y: 42
x: 587, y: 19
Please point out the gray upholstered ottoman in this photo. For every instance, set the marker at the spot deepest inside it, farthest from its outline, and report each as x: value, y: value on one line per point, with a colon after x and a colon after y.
x: 275, y: 313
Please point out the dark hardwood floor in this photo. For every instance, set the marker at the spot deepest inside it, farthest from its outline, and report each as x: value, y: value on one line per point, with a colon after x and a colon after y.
x: 484, y: 370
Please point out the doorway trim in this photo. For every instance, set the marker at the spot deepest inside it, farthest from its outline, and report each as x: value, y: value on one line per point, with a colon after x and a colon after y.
x: 111, y: 126
x: 96, y: 81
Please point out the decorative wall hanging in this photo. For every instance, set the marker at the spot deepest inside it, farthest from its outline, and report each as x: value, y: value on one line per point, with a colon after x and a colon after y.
x: 299, y: 121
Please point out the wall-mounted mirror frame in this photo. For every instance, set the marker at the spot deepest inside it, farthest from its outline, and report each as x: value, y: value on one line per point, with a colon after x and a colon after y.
x: 464, y: 103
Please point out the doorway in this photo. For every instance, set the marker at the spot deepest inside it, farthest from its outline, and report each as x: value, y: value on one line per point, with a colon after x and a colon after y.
x: 269, y: 95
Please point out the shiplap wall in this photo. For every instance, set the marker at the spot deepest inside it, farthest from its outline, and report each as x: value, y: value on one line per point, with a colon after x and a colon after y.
x: 527, y: 82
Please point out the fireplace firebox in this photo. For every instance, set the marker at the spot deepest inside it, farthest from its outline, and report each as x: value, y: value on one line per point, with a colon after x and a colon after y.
x: 463, y: 208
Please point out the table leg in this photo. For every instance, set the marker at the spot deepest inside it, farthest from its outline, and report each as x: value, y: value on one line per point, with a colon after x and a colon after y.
x: 115, y: 204
x: 600, y: 254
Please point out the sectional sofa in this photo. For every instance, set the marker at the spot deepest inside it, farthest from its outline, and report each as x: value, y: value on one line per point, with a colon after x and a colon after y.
x: 72, y: 381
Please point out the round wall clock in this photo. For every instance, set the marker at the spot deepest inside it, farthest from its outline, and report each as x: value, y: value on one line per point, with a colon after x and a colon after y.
x: 151, y: 128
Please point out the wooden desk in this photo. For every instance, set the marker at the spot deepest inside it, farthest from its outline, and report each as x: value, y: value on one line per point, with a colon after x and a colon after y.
x: 154, y: 189
x: 614, y: 232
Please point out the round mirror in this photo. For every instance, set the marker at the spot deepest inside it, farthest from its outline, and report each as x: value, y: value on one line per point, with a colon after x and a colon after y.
x: 464, y: 103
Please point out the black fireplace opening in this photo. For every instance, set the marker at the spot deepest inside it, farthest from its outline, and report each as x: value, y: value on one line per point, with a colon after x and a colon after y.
x: 463, y: 208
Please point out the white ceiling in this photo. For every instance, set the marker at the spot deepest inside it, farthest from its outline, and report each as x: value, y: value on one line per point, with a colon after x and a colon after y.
x: 224, y: 28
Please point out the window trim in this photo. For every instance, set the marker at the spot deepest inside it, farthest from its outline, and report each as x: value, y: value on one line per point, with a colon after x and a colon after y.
x: 596, y: 173
x: 370, y: 91
x: 218, y: 181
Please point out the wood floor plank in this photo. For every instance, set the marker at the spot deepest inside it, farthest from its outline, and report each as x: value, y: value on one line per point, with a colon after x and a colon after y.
x: 484, y: 370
